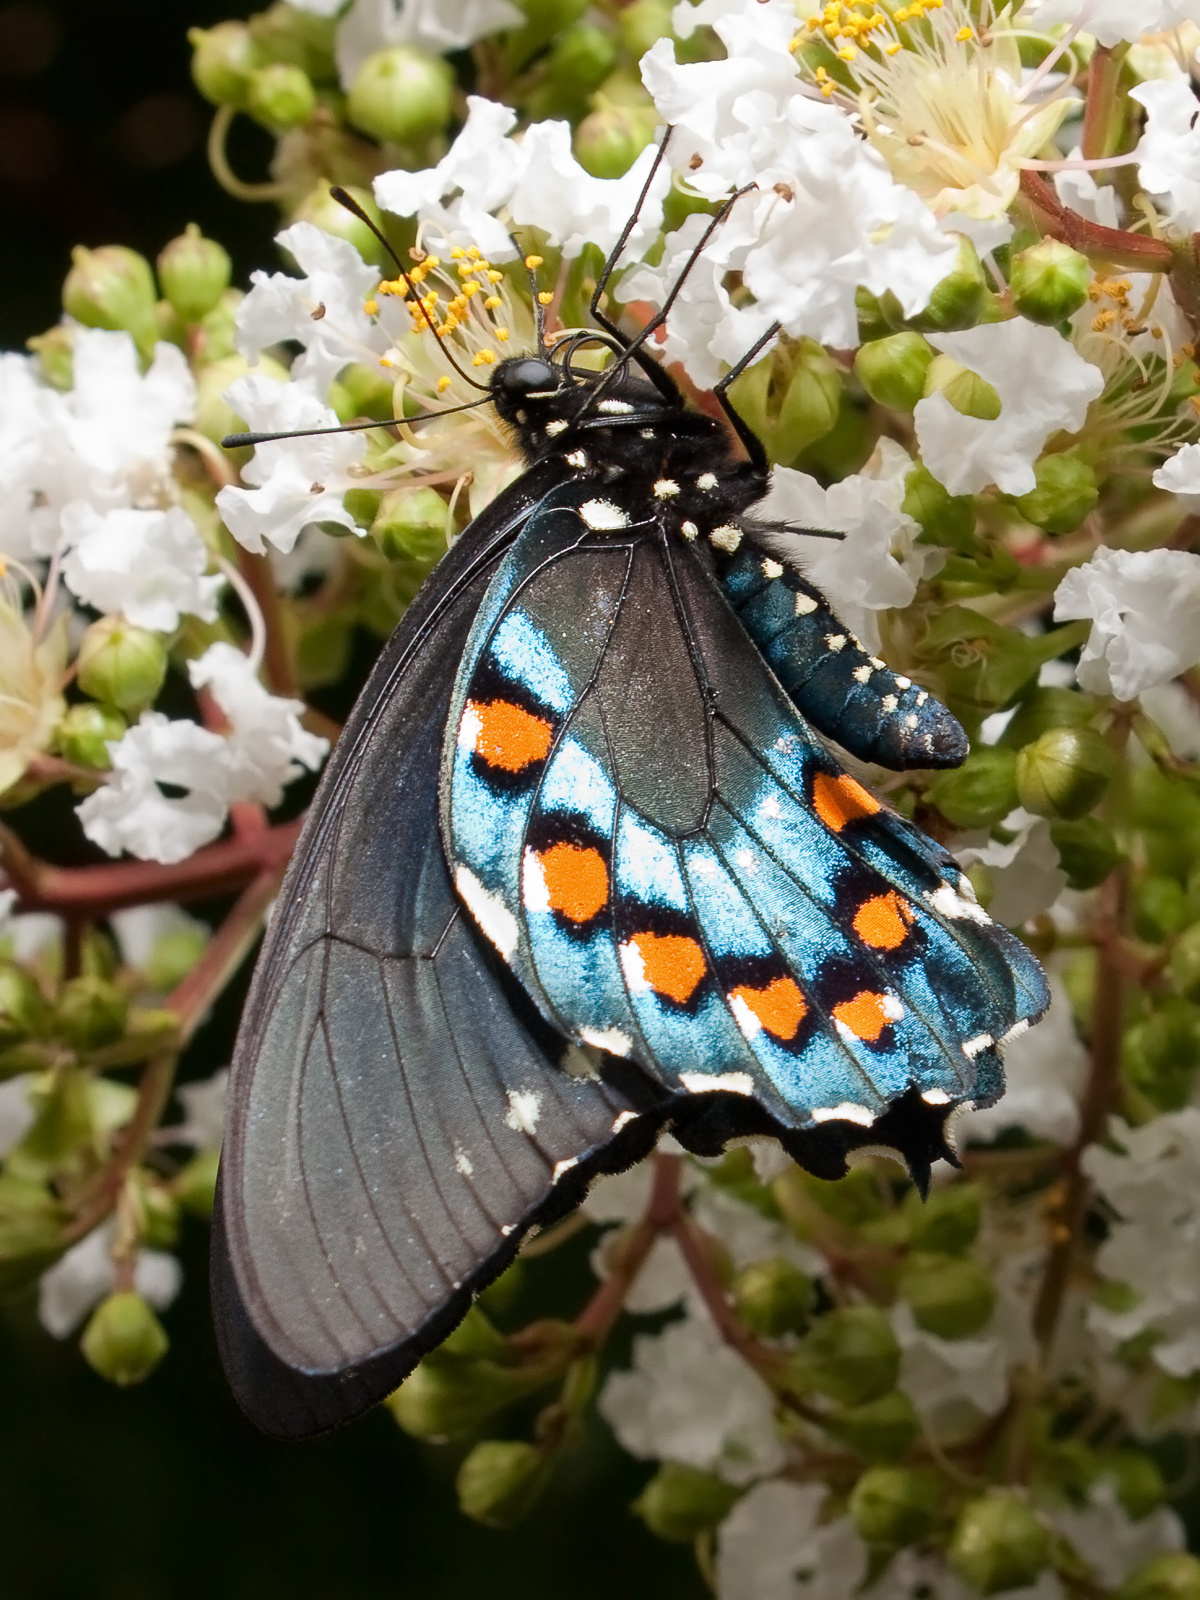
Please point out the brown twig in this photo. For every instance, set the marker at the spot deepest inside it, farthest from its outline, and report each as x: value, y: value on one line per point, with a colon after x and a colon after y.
x: 278, y: 666
x: 1093, y: 238
x: 595, y: 1321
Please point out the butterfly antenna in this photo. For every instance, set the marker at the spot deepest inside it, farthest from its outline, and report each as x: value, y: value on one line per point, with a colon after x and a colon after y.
x: 344, y: 198
x: 240, y: 441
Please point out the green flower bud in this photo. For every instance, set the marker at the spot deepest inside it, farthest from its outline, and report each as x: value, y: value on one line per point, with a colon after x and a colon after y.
x: 1160, y: 907
x: 998, y: 1544
x: 967, y: 392
x: 1170, y: 1577
x: 362, y: 391
x: 194, y: 273
x: 1065, y: 492
x: 773, y: 1297
x: 174, y: 955
x: 948, y: 1221
x: 882, y: 1430
x: 83, y: 734
x: 112, y: 287
x: 680, y: 1502
x: 1064, y: 773
x: 1138, y: 1481
x: 643, y: 22
x: 280, y: 96
x: 91, y: 1013
x: 945, y: 518
x: 411, y: 523
x: 401, y: 96
x: 849, y: 1354
x: 322, y: 210
x: 961, y: 298
x: 23, y: 1009
x: 791, y: 398
x: 157, y: 1210
x: 55, y: 350
x: 1044, y: 709
x: 951, y: 1296
x: 893, y: 370
x: 1087, y: 851
x: 222, y: 60
x: 895, y: 1506
x: 1184, y: 965
x: 215, y: 417
x: 196, y: 1184
x: 214, y: 339
x: 121, y: 664
x: 442, y: 1399
x: 981, y: 791
x: 581, y: 59
x: 301, y: 38
x: 124, y: 1341
x: 609, y: 140
x: 872, y: 321
x: 1049, y: 281
x: 983, y: 881
x: 501, y: 1481
x: 30, y: 1231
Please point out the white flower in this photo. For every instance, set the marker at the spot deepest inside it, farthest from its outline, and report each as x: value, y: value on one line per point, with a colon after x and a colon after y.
x: 689, y: 1398
x: 266, y: 747
x: 1111, y: 21
x: 1044, y: 385
x: 69, y: 1290
x: 572, y: 207
x: 204, y: 1111
x: 118, y: 420
x: 1026, y: 876
x: 1080, y: 191
x: 437, y: 26
x: 29, y: 417
x: 1169, y: 150
x: 323, y: 310
x: 1143, y: 606
x: 955, y: 1383
x: 1172, y: 708
x: 1109, y: 1541
x: 1152, y: 1182
x: 1180, y: 474
x: 140, y: 929
x: 132, y: 813
x: 924, y: 1575
x: 295, y: 481
x: 1044, y: 1072
x: 875, y: 566
x: 772, y: 1546
x: 148, y: 565
x: 16, y: 1113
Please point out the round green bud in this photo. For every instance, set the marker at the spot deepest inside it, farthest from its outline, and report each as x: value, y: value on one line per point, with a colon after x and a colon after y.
x: 121, y: 664
x: 401, y: 96
x: 639, y: 25
x: 1064, y: 773
x: 322, y: 210
x: 441, y: 1400
x: 948, y: 1221
x: 194, y: 273
x: 609, y: 140
x: 849, y: 1354
x: 1044, y: 709
x: 951, y: 1296
x: 893, y: 370
x: 124, y: 1341
x: 23, y: 1008
x: 1160, y: 907
x: 280, y: 96
x: 945, y: 518
x: 1049, y: 281
x: 961, y: 298
x: 214, y: 339
x: 195, y: 1186
x: 91, y: 1013
x: 1065, y: 492
x: 112, y: 287
x: 680, y: 1502
x: 791, y: 398
x: 501, y: 1481
x: 1170, y: 1577
x: 773, y: 1297
x: 881, y: 1430
x: 1138, y: 1481
x: 173, y: 957
x: 967, y: 392
x: 55, y: 351
x: 1184, y: 965
x: 998, y: 1544
x: 411, y: 523
x: 1087, y: 851
x: 895, y: 1506
x: 981, y: 791
x: 362, y: 391
x: 84, y: 732
x: 581, y: 59
x: 222, y: 60
x: 302, y: 38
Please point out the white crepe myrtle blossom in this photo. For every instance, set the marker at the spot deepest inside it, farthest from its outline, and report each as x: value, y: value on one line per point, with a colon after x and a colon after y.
x: 1109, y: 1542
x: 1044, y: 1072
x: 954, y: 1384
x: 774, y: 1545
x: 1168, y: 154
x: 265, y: 747
x: 437, y: 26
x: 139, y: 929
x: 1025, y: 872
x: 1152, y: 1183
x: 69, y: 1290
x: 1110, y: 22
x: 966, y: 454
x: 147, y: 565
x: 1143, y: 606
x: 1180, y: 474
x: 132, y: 813
x: 28, y: 412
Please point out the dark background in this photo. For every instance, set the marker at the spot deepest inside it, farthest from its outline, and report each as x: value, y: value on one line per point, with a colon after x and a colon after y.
x: 165, y: 1492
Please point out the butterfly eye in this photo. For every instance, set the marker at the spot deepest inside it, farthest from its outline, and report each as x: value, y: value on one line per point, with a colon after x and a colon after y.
x: 526, y: 376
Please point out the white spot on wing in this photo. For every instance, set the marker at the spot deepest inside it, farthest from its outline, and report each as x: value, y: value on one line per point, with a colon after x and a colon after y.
x: 948, y: 902
x: 726, y: 538
x: 563, y: 1167
x: 922, y: 697
x: 633, y: 967
x: 704, y: 1083
x: 524, y: 1109
x: 615, y: 408
x: 972, y: 1047
x: 462, y: 1161
x: 1015, y: 1032
x: 469, y: 728
x: 665, y: 488
x: 602, y: 514
x: 745, y: 1018
x: 494, y: 918
x: 904, y: 683
x: 623, y: 1119
x: 771, y: 808
x: 614, y: 1040
x: 804, y: 604
x: 846, y: 1112
x: 910, y: 722
x: 533, y: 891
x: 889, y: 702
x: 935, y: 1097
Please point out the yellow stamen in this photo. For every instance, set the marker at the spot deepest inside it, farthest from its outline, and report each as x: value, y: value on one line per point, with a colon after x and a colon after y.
x: 371, y: 307
x: 545, y: 298
x: 533, y: 262
x: 458, y: 254
x: 492, y: 301
x: 963, y: 35
x: 502, y: 334
x: 386, y: 361
x: 443, y: 384
x: 493, y: 275
x: 485, y: 358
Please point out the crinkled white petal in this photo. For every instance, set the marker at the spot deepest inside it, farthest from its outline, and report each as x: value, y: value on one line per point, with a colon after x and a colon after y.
x: 1169, y: 150
x: 772, y: 1546
x: 955, y: 1383
x: 266, y: 747
x: 82, y: 1278
x: 1111, y: 21
x: 1080, y: 191
x: 31, y: 445
x: 1026, y: 876
x: 120, y: 419
x: 147, y: 565
x: 1110, y: 1542
x: 437, y: 26
x: 1180, y: 474
x: 1143, y: 606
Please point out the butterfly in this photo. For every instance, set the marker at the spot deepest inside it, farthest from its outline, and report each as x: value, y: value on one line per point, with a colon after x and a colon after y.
x: 583, y: 867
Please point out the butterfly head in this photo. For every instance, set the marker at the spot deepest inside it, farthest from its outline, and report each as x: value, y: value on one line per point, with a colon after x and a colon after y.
x: 542, y: 399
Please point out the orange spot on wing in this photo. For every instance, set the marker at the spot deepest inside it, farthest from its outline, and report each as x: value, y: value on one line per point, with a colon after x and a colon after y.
x: 840, y: 800
x: 510, y: 737
x: 866, y: 1016
x: 672, y: 963
x: 780, y: 1007
x: 883, y: 921
x: 576, y: 880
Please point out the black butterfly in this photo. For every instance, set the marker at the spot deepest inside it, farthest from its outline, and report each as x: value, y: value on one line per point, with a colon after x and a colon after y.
x: 579, y: 870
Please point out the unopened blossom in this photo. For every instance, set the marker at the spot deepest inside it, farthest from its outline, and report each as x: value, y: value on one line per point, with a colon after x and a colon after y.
x: 265, y: 747
x: 69, y: 1290
x: 16, y: 1111
x: 689, y: 1398
x: 773, y: 1545
x: 1109, y: 1542
x: 294, y: 482
x: 147, y: 565
x: 1168, y: 154
x: 132, y: 813
x: 437, y: 26
x: 1143, y: 606
x: 28, y: 422
x: 1044, y: 1072
x: 31, y: 678
x: 966, y: 454
x: 1025, y: 872
x: 1110, y: 22
x: 1152, y: 1182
